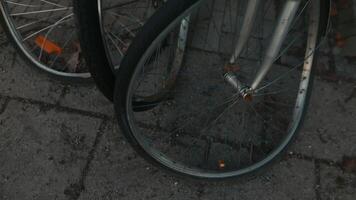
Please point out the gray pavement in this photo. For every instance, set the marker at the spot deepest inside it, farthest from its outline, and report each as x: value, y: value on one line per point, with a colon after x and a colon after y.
x: 62, y: 142
x: 339, y: 54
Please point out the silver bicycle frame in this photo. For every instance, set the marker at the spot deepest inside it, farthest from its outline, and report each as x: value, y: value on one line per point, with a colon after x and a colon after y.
x: 284, y: 23
x: 247, y: 26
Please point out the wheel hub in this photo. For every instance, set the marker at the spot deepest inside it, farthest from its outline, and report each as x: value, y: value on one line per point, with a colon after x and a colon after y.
x: 244, y: 91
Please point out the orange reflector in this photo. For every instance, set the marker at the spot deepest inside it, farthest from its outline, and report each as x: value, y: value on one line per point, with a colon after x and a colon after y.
x: 48, y: 46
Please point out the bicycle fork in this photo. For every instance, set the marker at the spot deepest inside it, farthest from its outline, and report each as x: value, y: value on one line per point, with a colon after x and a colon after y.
x: 284, y: 24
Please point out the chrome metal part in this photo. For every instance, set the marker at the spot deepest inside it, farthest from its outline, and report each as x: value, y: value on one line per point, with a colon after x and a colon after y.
x: 242, y: 89
x: 312, y: 42
x: 285, y: 21
x: 246, y: 28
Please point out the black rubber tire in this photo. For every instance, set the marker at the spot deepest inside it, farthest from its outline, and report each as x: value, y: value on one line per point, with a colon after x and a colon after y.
x: 62, y: 79
x: 93, y: 46
x: 87, y: 19
x: 155, y: 25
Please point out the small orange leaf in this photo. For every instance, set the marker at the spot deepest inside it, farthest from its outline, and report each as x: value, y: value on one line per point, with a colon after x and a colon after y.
x: 222, y: 164
x: 340, y: 40
x: 349, y: 164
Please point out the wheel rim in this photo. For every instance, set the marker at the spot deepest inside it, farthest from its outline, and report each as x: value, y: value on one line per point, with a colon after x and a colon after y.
x: 119, y: 22
x: 39, y: 38
x: 144, y: 129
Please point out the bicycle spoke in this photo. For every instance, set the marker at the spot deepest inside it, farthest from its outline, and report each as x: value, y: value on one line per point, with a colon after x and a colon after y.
x: 199, y: 115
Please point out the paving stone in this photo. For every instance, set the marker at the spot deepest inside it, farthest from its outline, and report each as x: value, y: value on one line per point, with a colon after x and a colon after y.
x: 3, y: 38
x: 345, y: 14
x: 214, y: 32
x: 345, y: 23
x: 87, y: 98
x: 42, y: 151
x: 337, y: 185
x: 2, y: 104
x: 329, y: 131
x: 233, y: 9
x: 345, y: 68
x: 118, y: 173
x: 347, y: 30
x: 199, y: 38
x: 19, y: 79
x: 220, y: 6
x: 291, y: 179
x: 349, y: 49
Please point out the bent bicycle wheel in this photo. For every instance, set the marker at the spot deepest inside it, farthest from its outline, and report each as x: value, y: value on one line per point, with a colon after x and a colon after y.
x: 44, y: 33
x: 106, y: 28
x: 241, y: 93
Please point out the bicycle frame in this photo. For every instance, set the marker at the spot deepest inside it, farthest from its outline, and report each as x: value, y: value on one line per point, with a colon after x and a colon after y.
x: 285, y: 20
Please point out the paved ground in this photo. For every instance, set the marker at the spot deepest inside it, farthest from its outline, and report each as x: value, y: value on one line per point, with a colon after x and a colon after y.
x: 339, y: 54
x: 62, y: 142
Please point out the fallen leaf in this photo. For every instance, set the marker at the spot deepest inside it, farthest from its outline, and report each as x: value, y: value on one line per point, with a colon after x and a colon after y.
x: 349, y: 164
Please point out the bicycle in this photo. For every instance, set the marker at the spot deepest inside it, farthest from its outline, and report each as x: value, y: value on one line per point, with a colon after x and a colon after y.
x: 206, y: 92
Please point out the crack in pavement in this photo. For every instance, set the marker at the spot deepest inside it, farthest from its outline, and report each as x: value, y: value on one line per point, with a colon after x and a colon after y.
x: 62, y: 95
x: 300, y: 156
x: 3, y: 106
x: 47, y: 106
x: 317, y: 185
x: 74, y: 190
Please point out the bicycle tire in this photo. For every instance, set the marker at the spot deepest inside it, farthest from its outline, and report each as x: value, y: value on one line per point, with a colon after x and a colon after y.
x: 89, y: 29
x: 90, y: 18
x: 150, y: 32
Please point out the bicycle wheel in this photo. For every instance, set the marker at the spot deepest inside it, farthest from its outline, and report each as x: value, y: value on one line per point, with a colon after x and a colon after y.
x: 43, y: 32
x: 213, y: 124
x: 106, y: 28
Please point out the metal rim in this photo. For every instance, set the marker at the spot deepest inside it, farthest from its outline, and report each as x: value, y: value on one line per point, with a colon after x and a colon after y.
x: 16, y: 37
x: 108, y: 11
x: 297, y: 117
x: 105, y: 38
